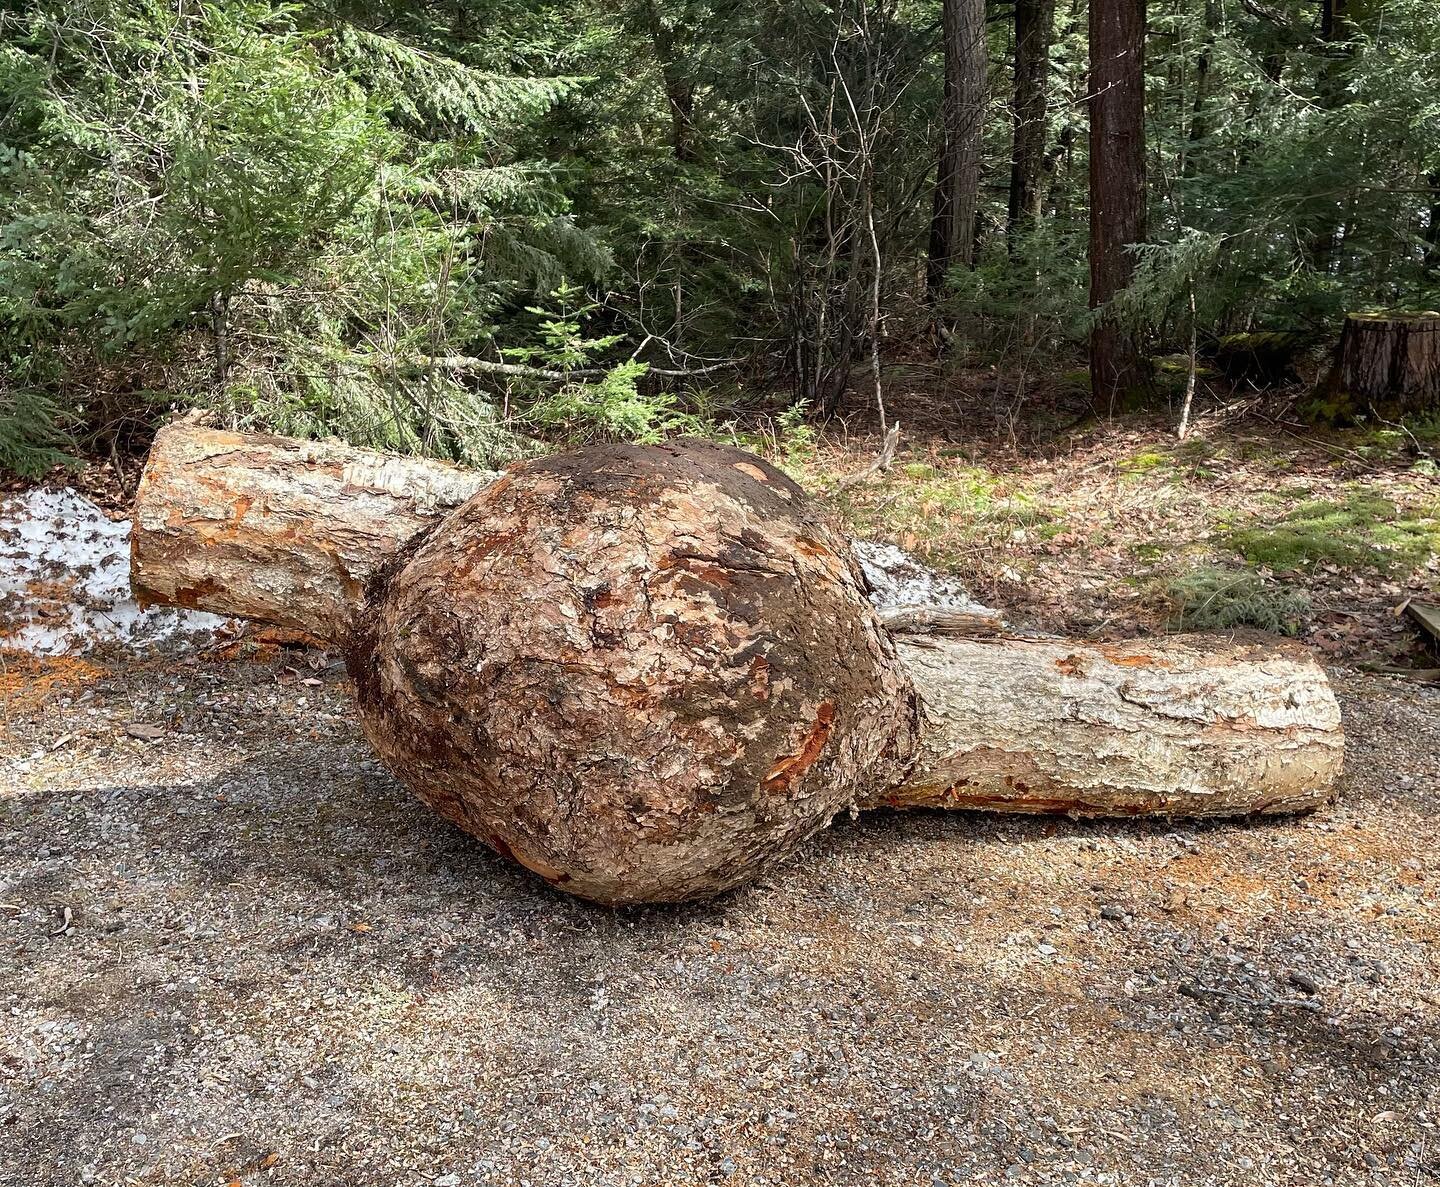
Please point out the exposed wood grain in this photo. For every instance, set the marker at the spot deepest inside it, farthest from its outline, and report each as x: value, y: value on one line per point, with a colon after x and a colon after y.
x: 649, y: 673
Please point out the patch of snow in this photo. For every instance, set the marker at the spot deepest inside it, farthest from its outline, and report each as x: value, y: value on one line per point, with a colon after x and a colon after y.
x: 898, y: 581
x: 65, y: 579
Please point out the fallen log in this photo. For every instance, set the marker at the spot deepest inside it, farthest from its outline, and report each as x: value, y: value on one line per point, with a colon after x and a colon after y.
x: 278, y: 530
x: 648, y: 673
x: 1182, y: 726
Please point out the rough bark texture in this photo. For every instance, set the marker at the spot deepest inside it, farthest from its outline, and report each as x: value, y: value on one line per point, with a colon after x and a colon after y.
x: 1386, y: 364
x: 649, y: 672
x: 957, y: 181
x: 646, y: 673
x: 1117, y: 189
x: 679, y: 91
x: 1183, y: 726
x: 279, y: 530
x: 1034, y: 25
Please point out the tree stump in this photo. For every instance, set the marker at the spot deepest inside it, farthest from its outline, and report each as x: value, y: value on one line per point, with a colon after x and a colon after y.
x: 1386, y: 365
x: 648, y: 673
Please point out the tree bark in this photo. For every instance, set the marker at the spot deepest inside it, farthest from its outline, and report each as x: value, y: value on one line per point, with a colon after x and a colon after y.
x: 957, y: 201
x: 1117, y: 190
x: 296, y: 532
x: 1034, y: 24
x: 278, y: 530
x: 1387, y: 364
x: 1199, y: 111
x: 679, y: 91
x: 1431, y: 234
x: 1181, y: 726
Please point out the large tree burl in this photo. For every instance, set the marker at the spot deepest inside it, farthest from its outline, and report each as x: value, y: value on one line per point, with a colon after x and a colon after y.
x: 646, y: 673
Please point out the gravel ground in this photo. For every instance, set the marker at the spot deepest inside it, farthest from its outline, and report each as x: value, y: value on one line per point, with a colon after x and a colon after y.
x: 240, y: 953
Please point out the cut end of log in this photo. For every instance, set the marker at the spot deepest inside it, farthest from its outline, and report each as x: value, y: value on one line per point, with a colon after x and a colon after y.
x: 278, y: 530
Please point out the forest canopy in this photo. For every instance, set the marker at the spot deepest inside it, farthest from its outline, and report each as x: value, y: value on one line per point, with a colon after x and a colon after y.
x: 450, y: 227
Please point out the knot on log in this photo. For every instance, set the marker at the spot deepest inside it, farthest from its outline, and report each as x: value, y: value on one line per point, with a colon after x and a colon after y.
x: 650, y: 672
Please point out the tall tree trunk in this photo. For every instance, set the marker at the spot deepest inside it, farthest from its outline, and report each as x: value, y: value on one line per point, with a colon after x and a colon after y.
x: 1034, y: 23
x: 1199, y: 122
x: 957, y: 204
x: 1329, y: 10
x: 1337, y: 28
x: 1117, y: 188
x: 1432, y: 228
x: 679, y: 90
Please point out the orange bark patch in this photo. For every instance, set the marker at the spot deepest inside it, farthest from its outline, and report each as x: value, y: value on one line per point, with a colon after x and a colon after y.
x: 760, y: 678
x: 282, y: 636
x: 192, y: 597
x: 755, y: 472
x: 1132, y: 659
x: 484, y: 548
x: 806, y: 547
x: 711, y: 575
x: 788, y: 769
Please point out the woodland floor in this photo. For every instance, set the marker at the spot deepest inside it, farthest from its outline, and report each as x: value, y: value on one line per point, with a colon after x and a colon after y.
x: 233, y: 950
x: 241, y: 953
x: 1116, y: 528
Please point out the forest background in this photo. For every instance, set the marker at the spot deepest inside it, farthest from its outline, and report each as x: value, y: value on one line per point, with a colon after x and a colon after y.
x: 478, y: 230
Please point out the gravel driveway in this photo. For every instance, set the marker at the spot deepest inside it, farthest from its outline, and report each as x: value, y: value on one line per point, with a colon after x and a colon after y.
x: 239, y: 952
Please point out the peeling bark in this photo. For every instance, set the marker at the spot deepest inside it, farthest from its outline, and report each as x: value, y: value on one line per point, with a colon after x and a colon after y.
x: 645, y: 673
x: 1183, y: 726
x: 278, y: 530
x: 650, y: 672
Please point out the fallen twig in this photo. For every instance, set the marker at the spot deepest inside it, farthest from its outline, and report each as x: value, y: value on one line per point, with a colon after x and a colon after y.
x: 882, y: 462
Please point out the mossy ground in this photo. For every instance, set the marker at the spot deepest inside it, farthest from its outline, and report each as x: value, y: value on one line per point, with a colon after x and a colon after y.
x: 1116, y: 527
x: 1359, y: 530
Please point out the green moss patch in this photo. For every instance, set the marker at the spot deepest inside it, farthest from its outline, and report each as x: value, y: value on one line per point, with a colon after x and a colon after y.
x: 1362, y: 531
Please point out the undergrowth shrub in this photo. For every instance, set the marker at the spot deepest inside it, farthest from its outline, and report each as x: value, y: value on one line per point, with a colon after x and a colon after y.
x: 31, y: 440
x: 1214, y: 599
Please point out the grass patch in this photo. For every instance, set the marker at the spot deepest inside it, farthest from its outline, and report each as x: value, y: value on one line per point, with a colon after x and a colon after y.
x: 1213, y: 599
x: 1393, y: 438
x: 1193, y: 459
x: 1362, y: 531
x: 942, y: 511
x: 1145, y: 463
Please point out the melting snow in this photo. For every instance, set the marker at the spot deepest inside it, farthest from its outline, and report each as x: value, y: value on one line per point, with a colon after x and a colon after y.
x: 898, y: 580
x: 65, y: 579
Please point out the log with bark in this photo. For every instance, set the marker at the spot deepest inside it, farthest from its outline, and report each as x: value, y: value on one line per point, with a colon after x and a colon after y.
x: 648, y: 673
x: 1386, y: 365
